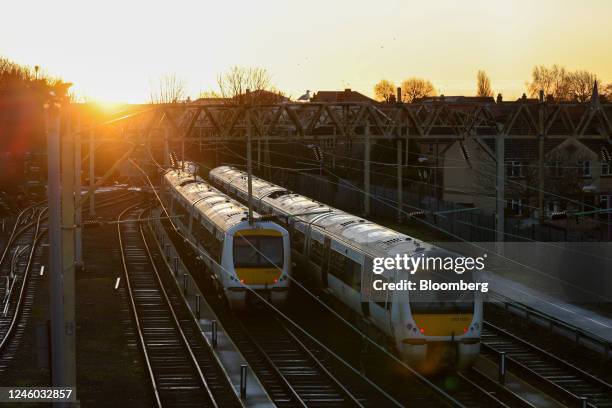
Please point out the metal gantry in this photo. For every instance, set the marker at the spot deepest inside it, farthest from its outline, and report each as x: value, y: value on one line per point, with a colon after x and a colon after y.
x: 439, y: 121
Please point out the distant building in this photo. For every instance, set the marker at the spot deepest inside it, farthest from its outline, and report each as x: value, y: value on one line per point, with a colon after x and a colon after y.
x: 577, y: 169
x: 456, y: 99
x: 347, y: 95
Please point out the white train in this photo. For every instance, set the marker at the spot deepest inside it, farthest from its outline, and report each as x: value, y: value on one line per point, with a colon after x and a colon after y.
x: 432, y: 330
x: 240, y: 254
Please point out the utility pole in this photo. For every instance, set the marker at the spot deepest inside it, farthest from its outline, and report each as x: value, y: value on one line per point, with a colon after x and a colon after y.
x: 541, y: 157
x: 92, y: 172
x: 183, y: 146
x: 400, y: 190
x: 78, y: 237
x: 366, y: 171
x: 247, y: 120
x: 56, y: 298
x: 61, y: 254
x: 68, y: 250
x: 259, y: 154
x: 500, y: 187
x: 166, y: 148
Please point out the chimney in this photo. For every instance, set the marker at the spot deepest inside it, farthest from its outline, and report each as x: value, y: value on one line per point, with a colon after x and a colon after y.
x: 347, y: 90
x: 541, y: 95
x: 399, y: 94
x: 500, y: 99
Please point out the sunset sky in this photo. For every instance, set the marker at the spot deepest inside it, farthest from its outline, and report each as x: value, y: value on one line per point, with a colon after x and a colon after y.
x: 113, y: 50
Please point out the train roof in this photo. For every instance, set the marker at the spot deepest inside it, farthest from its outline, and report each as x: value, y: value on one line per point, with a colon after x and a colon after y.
x: 223, y: 211
x: 365, y: 235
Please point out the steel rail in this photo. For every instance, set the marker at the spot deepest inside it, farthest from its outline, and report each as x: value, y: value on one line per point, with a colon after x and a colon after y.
x: 145, y: 346
x: 353, y: 400
x: 551, y: 372
x: 24, y: 283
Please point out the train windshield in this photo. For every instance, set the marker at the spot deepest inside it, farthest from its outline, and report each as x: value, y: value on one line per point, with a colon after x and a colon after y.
x: 258, y: 251
x: 435, y: 297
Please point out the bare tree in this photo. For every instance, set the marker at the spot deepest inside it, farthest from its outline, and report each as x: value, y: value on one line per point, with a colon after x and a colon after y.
x: 554, y: 81
x: 561, y: 84
x: 168, y: 89
x: 606, y: 92
x: 483, y: 84
x: 416, y: 88
x: 581, y: 85
x: 234, y: 83
x: 384, y: 90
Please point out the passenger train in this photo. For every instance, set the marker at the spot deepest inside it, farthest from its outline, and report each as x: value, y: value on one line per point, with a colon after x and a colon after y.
x: 241, y: 254
x: 432, y: 330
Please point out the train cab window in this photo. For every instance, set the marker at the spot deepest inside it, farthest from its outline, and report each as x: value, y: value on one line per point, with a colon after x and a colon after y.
x: 258, y: 251
x: 443, y: 301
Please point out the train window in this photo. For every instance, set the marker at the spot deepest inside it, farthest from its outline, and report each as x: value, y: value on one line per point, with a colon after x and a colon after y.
x: 353, y: 271
x: 258, y: 251
x: 316, y: 252
x: 298, y: 240
x: 337, y: 265
x: 345, y: 269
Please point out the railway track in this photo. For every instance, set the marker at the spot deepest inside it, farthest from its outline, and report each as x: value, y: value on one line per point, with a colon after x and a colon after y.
x: 293, y: 374
x: 182, y: 367
x: 304, y: 375
x: 560, y: 379
x: 18, y: 283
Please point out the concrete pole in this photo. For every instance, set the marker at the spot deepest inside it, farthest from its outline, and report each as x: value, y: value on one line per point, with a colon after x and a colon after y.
x: 500, y: 187
x: 267, y: 161
x: 247, y: 119
x: 68, y: 254
x: 92, y: 172
x: 541, y: 157
x: 166, y: 148
x: 259, y: 154
x: 436, y: 187
x: 366, y: 172
x: 183, y: 147
x: 400, y: 189
x: 56, y: 297
x: 78, y: 237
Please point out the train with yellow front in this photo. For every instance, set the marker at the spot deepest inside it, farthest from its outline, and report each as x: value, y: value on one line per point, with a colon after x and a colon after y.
x: 248, y: 259
x: 431, y: 329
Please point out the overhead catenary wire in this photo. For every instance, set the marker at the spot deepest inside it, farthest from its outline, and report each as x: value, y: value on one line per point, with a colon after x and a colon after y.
x: 438, y: 186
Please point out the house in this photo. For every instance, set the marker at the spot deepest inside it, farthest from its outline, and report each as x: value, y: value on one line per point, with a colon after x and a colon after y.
x: 577, y: 173
x: 347, y: 95
x: 459, y: 99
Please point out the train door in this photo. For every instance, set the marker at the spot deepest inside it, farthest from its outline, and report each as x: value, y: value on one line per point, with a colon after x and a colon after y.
x: 325, y: 263
x: 366, y: 286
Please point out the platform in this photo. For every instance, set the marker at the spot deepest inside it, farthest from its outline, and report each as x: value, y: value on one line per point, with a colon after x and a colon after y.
x: 586, y: 320
x: 226, y: 351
